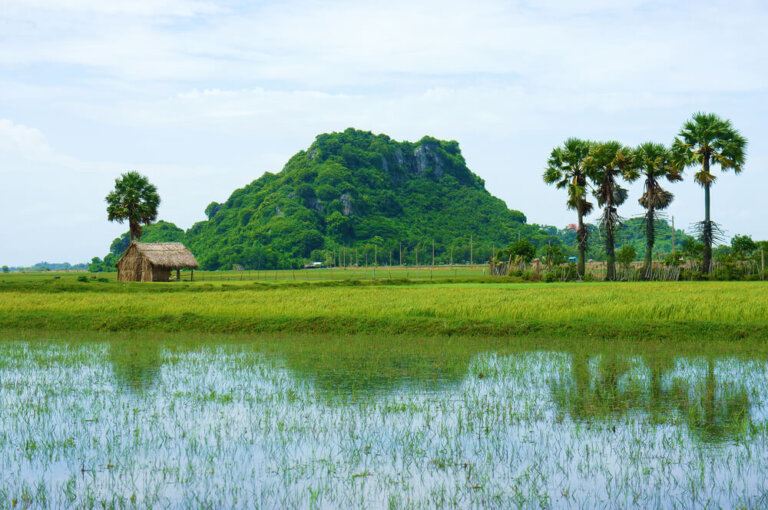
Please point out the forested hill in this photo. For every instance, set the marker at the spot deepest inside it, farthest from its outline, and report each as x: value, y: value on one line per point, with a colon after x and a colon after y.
x: 355, y: 190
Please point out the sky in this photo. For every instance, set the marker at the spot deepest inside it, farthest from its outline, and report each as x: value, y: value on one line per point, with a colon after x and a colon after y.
x: 205, y: 96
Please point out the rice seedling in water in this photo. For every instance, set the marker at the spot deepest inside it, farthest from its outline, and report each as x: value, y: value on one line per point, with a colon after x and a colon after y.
x: 328, y: 422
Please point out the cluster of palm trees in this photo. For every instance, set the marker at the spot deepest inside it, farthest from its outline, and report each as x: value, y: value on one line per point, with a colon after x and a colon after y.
x: 580, y: 166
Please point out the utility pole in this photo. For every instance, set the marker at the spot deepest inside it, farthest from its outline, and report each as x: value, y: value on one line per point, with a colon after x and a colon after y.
x: 451, y: 254
x: 433, y: 252
x: 762, y: 263
x: 470, y: 250
x: 417, y: 255
x: 401, y: 253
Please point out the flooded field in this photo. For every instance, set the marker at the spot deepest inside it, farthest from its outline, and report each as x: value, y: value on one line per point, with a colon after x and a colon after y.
x: 365, y: 422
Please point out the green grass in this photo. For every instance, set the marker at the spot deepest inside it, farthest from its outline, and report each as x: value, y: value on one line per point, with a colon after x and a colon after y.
x: 438, y: 272
x: 722, y: 310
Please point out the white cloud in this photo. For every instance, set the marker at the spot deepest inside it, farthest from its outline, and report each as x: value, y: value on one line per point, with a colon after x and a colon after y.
x: 55, y: 202
x: 181, y: 8
x: 185, y: 90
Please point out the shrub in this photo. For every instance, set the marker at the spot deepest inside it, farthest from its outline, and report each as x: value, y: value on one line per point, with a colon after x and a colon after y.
x: 531, y: 276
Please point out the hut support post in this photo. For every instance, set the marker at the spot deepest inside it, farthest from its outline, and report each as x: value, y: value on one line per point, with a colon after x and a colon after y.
x: 191, y: 275
x: 178, y: 275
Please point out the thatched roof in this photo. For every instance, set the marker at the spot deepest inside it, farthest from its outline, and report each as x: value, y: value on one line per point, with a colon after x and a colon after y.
x: 170, y: 255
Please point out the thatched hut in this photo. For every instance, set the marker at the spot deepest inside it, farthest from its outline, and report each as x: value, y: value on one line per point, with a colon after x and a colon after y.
x: 153, y: 262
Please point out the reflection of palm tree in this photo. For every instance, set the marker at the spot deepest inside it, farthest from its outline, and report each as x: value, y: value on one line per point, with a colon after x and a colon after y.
x: 603, y: 394
x: 595, y: 396
x: 135, y: 363
x: 713, y: 417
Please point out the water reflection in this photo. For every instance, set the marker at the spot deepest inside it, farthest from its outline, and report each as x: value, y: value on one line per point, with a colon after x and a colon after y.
x: 379, y: 422
x: 610, y: 387
x: 367, y: 366
x: 594, y: 386
x: 136, y: 363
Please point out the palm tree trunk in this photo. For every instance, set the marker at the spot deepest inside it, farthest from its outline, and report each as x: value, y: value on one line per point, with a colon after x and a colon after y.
x: 707, y: 231
x: 649, y: 242
x: 610, y: 257
x: 582, y: 242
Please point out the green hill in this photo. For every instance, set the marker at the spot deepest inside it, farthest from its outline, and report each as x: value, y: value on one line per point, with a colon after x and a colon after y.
x: 358, y: 194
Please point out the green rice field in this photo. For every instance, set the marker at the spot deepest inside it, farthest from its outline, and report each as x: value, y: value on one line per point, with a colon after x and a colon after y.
x: 485, y: 307
x: 334, y: 393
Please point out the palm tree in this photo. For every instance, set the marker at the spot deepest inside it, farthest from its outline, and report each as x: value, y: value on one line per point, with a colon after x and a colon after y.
x: 654, y: 161
x: 565, y: 169
x: 703, y: 140
x: 134, y: 199
x: 606, y: 164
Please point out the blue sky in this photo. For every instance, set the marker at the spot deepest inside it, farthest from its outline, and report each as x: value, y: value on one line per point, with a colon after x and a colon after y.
x: 203, y: 97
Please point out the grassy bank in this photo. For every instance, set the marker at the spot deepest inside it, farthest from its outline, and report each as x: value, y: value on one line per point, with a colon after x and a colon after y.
x: 722, y: 310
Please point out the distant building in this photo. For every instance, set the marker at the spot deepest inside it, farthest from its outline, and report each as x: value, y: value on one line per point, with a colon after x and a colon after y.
x: 153, y: 262
x: 573, y: 227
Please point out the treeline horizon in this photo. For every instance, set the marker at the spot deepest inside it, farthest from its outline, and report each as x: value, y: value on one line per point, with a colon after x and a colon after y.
x: 359, y: 192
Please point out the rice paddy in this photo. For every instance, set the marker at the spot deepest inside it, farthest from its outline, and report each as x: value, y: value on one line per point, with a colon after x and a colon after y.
x: 109, y: 420
x: 637, y: 310
x: 396, y: 394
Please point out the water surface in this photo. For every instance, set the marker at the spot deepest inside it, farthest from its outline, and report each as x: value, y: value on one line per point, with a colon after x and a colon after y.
x: 378, y: 422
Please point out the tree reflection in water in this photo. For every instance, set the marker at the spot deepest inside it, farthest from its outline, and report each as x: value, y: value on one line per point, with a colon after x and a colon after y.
x: 609, y: 388
x: 135, y: 362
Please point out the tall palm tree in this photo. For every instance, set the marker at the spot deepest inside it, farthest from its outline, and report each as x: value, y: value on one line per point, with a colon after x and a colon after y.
x: 706, y: 139
x: 134, y: 199
x: 566, y: 170
x: 654, y: 161
x: 607, y: 163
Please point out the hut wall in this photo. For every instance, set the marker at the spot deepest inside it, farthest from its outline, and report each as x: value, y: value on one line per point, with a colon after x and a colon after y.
x: 161, y: 274
x: 134, y: 267
x: 129, y: 267
x: 146, y: 270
